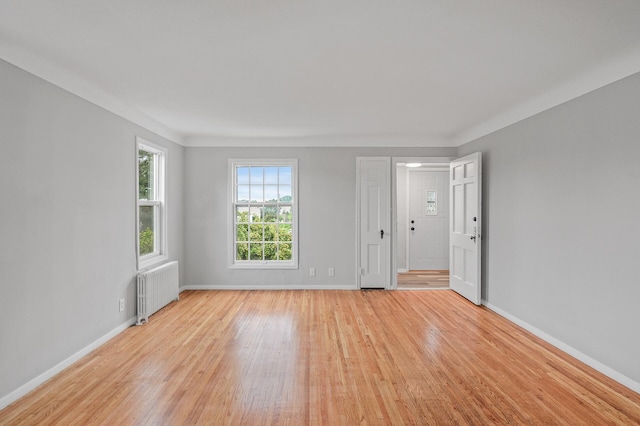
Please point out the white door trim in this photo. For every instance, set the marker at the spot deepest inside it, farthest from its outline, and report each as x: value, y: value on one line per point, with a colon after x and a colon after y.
x: 427, y: 161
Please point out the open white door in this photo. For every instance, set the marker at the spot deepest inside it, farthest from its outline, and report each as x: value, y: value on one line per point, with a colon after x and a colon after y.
x: 465, y: 224
x: 374, y: 236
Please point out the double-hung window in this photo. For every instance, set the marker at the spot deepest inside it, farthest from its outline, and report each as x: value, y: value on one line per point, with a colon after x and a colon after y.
x: 151, y: 215
x: 264, y: 218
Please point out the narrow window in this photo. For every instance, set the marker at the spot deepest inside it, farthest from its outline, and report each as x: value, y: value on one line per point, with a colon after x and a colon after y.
x: 432, y: 206
x: 263, y: 213
x: 151, y: 204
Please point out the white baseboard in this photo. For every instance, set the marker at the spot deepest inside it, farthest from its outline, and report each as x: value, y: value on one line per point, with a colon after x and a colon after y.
x: 37, y: 381
x: 267, y: 287
x: 596, y: 365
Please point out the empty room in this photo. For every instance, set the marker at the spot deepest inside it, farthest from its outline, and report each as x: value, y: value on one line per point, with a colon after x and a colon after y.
x: 336, y: 212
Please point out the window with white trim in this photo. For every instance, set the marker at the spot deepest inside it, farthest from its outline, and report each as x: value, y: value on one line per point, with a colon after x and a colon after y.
x: 151, y: 215
x: 263, y: 214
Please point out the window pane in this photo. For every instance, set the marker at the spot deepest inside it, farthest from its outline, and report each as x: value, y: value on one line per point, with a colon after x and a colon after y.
x: 242, y: 232
x: 285, y: 214
x: 256, y: 233
x: 431, y: 208
x: 285, y: 193
x: 284, y: 252
x: 256, y: 175
x: 146, y: 229
x: 270, y: 214
x: 257, y: 194
x: 243, y: 193
x: 145, y: 175
x: 256, y: 214
x: 271, y: 193
x: 242, y: 214
x: 270, y: 232
x: 284, y: 232
x: 256, y: 251
x: 271, y: 175
x: 270, y: 251
x: 285, y: 175
x: 242, y: 251
x: 242, y: 175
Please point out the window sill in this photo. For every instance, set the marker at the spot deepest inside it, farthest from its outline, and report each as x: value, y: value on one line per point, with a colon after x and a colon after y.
x: 148, y: 263
x: 263, y: 266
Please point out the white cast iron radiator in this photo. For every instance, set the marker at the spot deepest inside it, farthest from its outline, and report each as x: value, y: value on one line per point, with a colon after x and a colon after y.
x: 157, y: 287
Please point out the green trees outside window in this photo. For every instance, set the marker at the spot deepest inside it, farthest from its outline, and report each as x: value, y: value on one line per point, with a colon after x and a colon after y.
x: 263, y: 240
x: 148, y: 205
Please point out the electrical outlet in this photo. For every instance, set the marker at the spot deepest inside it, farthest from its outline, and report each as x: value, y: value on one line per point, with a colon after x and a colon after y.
x: 121, y: 305
x: 332, y: 272
x: 312, y: 272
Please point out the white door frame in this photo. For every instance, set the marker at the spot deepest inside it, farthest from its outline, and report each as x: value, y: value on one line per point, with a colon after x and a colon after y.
x: 434, y: 161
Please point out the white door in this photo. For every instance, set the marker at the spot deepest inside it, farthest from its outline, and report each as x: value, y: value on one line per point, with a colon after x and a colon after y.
x: 428, y: 220
x: 466, y: 226
x: 374, y: 221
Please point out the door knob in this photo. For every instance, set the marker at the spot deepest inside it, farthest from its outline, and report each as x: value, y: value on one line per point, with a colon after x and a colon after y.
x: 413, y: 229
x: 473, y: 237
x: 381, y: 233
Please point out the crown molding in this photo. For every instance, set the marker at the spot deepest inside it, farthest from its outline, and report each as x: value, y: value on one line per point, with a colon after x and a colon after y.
x: 596, y: 78
x: 332, y: 141
x: 76, y: 85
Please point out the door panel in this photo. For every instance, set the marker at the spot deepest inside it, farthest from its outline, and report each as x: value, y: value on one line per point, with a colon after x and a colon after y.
x: 429, y: 211
x: 466, y: 247
x: 374, y: 221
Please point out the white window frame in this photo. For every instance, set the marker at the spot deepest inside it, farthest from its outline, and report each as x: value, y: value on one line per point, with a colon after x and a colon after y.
x: 262, y: 264
x: 159, y: 254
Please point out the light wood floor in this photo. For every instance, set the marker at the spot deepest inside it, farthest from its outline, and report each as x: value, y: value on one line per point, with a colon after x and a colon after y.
x: 326, y: 357
x: 423, y: 280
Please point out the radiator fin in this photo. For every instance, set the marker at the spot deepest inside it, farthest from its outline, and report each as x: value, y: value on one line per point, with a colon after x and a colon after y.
x: 157, y: 288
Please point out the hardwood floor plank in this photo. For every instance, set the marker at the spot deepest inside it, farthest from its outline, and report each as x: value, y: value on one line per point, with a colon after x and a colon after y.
x: 326, y: 357
x: 423, y: 280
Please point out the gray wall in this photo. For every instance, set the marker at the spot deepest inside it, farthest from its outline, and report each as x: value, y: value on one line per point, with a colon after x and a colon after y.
x: 562, y: 223
x: 67, y: 223
x: 327, y: 192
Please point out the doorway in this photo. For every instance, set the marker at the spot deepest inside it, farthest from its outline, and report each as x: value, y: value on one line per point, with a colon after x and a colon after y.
x: 378, y: 227
x: 422, y: 232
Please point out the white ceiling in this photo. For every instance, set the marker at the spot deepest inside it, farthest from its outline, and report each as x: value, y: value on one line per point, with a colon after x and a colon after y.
x: 325, y: 72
